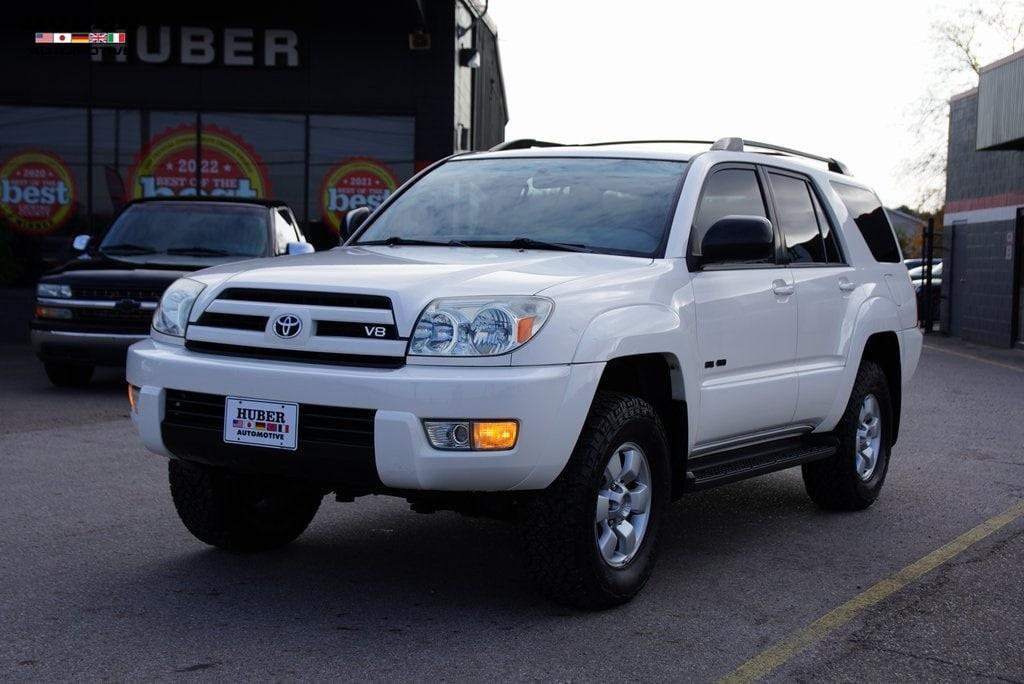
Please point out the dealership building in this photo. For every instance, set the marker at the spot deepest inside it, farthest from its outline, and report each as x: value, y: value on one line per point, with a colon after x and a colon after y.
x: 325, y: 112
x: 983, y: 225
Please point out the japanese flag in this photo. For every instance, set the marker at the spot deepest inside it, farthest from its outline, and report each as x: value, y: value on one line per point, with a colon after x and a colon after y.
x: 61, y: 37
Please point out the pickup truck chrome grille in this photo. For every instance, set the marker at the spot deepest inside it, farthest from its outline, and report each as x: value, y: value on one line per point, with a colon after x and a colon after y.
x: 337, y: 328
x: 116, y: 294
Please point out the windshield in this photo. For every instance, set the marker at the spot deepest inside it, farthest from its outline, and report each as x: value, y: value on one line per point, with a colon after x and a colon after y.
x: 618, y: 206
x: 188, y: 229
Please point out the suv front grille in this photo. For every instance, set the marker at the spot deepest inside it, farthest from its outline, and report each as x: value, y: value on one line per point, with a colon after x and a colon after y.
x: 338, y: 328
x: 305, y: 298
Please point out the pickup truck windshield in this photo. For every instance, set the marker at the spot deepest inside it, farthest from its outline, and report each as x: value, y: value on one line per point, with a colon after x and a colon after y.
x: 188, y: 229
x: 616, y: 206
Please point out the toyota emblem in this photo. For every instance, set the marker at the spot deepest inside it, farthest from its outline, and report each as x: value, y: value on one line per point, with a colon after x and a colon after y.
x: 287, y: 326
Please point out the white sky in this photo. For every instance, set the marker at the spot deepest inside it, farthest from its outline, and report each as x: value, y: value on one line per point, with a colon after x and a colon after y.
x: 834, y: 78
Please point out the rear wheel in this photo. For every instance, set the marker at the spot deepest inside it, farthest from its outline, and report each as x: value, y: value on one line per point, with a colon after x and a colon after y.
x: 590, y: 538
x: 852, y: 479
x: 240, y: 512
x: 68, y: 374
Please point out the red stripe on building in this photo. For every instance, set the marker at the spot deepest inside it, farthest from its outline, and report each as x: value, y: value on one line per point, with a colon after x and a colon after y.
x: 1008, y: 199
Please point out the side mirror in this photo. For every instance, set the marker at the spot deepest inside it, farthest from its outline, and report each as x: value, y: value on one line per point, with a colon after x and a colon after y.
x: 81, y: 242
x: 353, y: 219
x: 738, y: 238
x: 294, y: 248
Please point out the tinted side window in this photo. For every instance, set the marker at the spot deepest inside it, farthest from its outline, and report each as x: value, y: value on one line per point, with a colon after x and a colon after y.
x: 727, y: 192
x: 870, y: 217
x: 799, y: 222
x: 835, y: 255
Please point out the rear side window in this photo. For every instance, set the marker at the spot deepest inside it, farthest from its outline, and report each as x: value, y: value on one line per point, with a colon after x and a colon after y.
x: 727, y: 192
x: 804, y: 243
x: 870, y: 217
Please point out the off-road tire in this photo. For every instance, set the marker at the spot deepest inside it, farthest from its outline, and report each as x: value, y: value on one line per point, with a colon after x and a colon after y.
x: 68, y: 374
x: 833, y: 483
x: 558, y: 524
x: 242, y: 513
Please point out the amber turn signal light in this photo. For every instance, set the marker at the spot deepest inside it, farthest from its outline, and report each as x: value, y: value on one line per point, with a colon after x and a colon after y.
x: 495, y: 434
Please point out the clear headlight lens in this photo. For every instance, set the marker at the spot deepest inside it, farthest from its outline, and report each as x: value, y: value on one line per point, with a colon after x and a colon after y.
x: 53, y: 291
x: 171, y: 317
x: 478, y: 326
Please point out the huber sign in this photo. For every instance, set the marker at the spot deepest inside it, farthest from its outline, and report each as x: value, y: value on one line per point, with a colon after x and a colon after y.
x: 167, y: 166
x: 354, y: 183
x: 37, y: 192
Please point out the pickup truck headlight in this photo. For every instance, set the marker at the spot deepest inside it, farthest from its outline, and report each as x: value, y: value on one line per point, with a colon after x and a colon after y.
x: 53, y: 291
x: 478, y: 326
x: 171, y: 317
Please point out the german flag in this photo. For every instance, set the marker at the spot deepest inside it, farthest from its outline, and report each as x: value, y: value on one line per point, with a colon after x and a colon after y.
x: 79, y: 37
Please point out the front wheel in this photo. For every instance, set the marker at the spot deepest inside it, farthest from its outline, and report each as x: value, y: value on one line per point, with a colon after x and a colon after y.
x: 852, y: 479
x: 590, y: 537
x: 240, y: 512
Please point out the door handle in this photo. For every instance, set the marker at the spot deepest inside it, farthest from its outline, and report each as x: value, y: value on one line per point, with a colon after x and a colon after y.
x: 846, y: 286
x: 782, y: 288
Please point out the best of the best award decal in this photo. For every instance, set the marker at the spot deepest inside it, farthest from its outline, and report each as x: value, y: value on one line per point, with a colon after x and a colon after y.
x: 354, y: 183
x: 166, y: 167
x: 37, y: 192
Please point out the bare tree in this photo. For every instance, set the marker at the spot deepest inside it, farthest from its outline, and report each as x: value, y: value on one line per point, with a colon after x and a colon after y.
x: 965, y: 41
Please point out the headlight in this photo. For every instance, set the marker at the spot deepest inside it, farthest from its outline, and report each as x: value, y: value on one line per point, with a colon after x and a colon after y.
x: 171, y: 317
x: 478, y: 326
x: 53, y: 291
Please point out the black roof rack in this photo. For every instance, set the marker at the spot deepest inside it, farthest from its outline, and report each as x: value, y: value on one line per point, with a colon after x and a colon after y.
x: 722, y: 144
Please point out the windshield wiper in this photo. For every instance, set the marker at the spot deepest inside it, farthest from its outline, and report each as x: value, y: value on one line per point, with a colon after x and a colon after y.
x: 127, y: 248
x: 396, y: 240
x: 530, y: 243
x: 197, y: 251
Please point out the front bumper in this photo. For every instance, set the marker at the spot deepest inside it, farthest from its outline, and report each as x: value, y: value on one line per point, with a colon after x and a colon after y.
x: 550, y: 402
x: 91, y: 348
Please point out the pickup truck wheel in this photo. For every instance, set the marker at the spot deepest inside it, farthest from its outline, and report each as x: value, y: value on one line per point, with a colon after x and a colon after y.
x: 240, y: 512
x: 852, y: 479
x: 590, y: 537
x: 68, y: 374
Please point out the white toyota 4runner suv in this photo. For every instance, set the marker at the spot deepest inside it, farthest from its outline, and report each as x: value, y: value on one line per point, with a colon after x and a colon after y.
x: 567, y: 336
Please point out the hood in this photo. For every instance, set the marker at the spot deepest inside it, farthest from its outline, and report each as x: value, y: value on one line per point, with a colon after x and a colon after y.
x: 412, y: 276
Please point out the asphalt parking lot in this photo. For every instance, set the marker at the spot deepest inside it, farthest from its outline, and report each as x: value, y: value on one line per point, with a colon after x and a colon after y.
x: 99, y: 580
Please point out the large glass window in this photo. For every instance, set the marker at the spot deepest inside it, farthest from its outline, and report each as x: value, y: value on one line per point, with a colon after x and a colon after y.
x: 608, y: 205
x: 43, y: 187
x: 46, y: 177
x: 255, y: 155
x: 356, y: 161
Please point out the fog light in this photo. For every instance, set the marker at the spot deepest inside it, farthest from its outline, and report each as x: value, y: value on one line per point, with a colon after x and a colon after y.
x: 495, y: 434
x: 52, y: 312
x: 448, y: 434
x: 133, y: 398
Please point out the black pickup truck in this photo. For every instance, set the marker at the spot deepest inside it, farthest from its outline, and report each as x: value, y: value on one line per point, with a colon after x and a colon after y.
x: 90, y: 310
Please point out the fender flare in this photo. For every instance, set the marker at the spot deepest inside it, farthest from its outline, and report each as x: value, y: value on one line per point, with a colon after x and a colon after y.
x: 875, y: 315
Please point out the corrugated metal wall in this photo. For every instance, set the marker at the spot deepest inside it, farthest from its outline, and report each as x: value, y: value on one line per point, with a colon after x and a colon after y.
x: 1001, y: 104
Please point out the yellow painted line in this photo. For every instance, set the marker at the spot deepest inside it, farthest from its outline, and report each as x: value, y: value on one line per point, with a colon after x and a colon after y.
x: 1017, y: 369
x: 767, y: 661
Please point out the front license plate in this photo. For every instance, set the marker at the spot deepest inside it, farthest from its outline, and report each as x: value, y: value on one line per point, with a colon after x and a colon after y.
x: 261, y: 423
